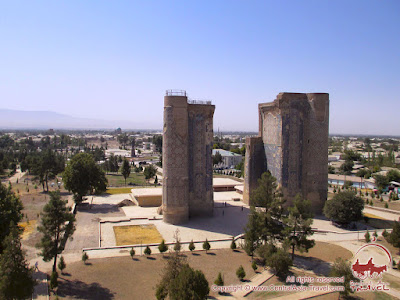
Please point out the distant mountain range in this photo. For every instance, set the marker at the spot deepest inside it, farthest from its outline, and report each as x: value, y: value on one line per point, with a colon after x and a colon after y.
x: 19, y: 119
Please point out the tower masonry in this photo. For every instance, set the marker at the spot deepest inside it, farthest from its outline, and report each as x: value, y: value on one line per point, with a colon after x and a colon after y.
x: 293, y: 145
x: 187, y: 160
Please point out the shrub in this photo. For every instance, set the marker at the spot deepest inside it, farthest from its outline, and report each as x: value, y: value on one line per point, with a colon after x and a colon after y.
x: 219, y: 281
x: 367, y: 237
x: 177, y: 246
x: 192, y: 246
x: 162, y: 247
x: 132, y: 253
x: 233, y: 244
x: 254, y: 266
x: 147, y: 251
x: 61, y: 264
x: 386, y: 205
x: 206, y: 245
x: 240, y: 273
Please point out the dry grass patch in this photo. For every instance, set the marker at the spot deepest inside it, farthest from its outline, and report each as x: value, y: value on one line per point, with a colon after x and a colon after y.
x: 136, y: 234
x: 28, y: 228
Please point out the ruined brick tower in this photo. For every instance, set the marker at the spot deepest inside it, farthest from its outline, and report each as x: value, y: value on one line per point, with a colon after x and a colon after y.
x: 293, y: 145
x: 187, y: 161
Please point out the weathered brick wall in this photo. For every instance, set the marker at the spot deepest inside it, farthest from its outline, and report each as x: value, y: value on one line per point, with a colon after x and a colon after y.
x: 201, y: 197
x: 187, y: 160
x: 294, y: 131
x: 254, y: 166
x: 175, y: 205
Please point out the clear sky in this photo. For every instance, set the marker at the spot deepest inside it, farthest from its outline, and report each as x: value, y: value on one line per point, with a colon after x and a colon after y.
x: 114, y: 59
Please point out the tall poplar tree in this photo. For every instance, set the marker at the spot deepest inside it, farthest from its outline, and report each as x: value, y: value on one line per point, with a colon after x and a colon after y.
x: 57, y: 226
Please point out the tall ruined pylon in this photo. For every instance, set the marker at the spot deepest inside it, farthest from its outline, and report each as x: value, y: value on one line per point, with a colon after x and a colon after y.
x: 187, y: 160
x: 293, y: 145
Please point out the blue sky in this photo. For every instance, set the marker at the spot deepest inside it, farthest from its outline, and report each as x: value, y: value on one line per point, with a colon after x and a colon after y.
x: 114, y: 59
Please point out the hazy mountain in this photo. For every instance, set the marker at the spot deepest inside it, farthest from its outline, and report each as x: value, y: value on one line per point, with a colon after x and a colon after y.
x: 19, y: 119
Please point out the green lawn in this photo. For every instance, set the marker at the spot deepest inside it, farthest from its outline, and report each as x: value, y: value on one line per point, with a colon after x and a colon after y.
x: 117, y: 180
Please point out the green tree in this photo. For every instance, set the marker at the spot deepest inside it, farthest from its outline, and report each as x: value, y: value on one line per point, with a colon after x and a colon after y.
x: 53, y: 280
x: 171, y: 271
x: 206, y: 245
x: 265, y: 251
x: 381, y: 181
x: 189, y: 284
x: 347, y: 167
x: 10, y: 211
x: 279, y: 262
x: 125, y: 169
x: 192, y: 246
x: 393, y: 175
x: 252, y: 232
x: 270, y: 199
x: 240, y: 273
x: 82, y: 176
x: 57, y: 225
x: 341, y: 268
x: 16, y: 277
x: 217, y: 158
x: 298, y: 225
x: 394, y: 237
x: 344, y: 208
x: 149, y: 172
x: 162, y: 247
x: 61, y: 264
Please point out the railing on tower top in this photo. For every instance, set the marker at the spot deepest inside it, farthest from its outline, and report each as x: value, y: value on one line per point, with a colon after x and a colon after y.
x: 203, y: 102
x: 175, y: 93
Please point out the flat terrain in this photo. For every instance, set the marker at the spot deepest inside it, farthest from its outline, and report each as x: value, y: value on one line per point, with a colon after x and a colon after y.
x: 136, y: 234
x: 117, y: 180
x: 124, y: 278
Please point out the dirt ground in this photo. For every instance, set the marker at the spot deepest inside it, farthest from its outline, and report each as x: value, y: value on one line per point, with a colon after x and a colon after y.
x: 124, y: 278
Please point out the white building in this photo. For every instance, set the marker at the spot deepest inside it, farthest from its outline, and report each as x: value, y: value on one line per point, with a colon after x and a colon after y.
x: 229, y: 159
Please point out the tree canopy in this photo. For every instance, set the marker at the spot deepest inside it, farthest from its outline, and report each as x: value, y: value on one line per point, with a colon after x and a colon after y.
x: 125, y: 169
x: 10, y: 211
x: 298, y: 225
x: 57, y: 225
x: 345, y: 207
x: 82, y: 176
x: 16, y: 277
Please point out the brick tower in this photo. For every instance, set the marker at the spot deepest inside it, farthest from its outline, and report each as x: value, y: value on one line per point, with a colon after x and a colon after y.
x: 293, y: 145
x: 187, y: 161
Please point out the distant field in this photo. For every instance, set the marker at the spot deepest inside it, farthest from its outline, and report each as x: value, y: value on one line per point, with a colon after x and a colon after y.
x: 116, y: 180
